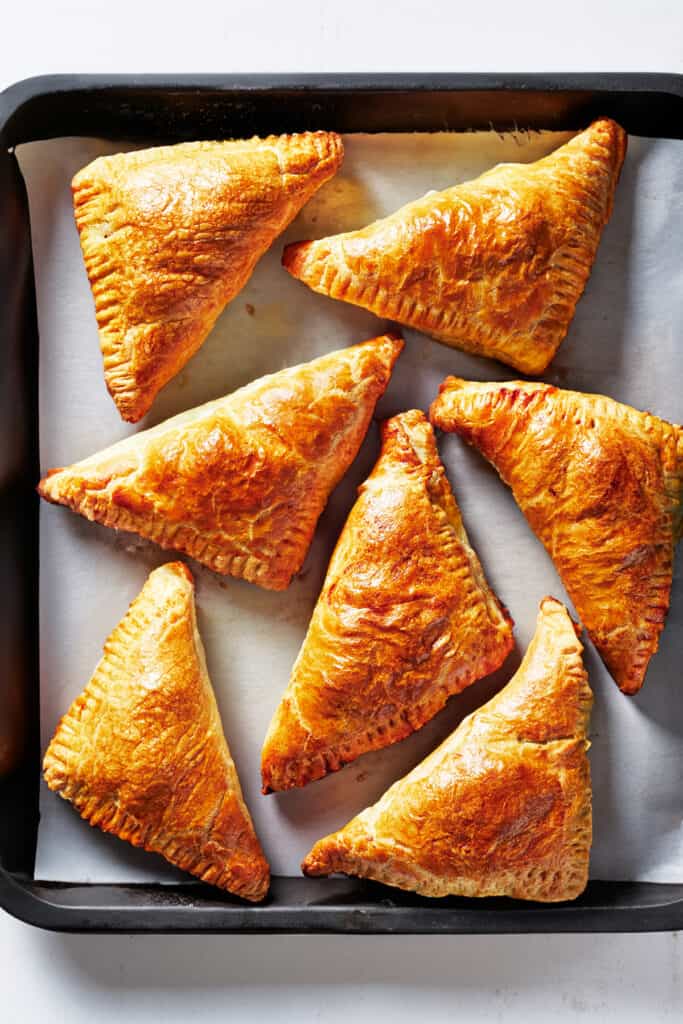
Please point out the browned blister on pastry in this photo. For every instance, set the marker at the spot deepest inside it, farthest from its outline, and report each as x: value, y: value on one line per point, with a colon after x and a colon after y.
x: 141, y: 752
x: 404, y: 620
x: 600, y: 483
x: 239, y: 483
x: 503, y: 806
x: 494, y: 266
x: 170, y: 235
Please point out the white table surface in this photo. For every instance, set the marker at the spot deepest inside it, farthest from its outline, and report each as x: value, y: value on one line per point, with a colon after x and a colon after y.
x: 329, y: 978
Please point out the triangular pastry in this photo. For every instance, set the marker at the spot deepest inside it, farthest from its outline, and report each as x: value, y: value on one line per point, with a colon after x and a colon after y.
x: 600, y: 484
x: 404, y: 620
x: 239, y: 483
x: 503, y: 806
x: 494, y: 266
x: 141, y: 752
x: 170, y: 235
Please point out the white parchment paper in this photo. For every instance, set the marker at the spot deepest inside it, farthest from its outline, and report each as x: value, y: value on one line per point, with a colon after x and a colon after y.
x: 626, y: 340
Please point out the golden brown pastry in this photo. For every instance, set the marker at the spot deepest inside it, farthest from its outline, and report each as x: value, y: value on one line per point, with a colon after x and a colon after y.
x: 494, y: 266
x: 600, y: 484
x: 503, y: 806
x: 141, y: 753
x: 239, y: 483
x: 404, y: 620
x: 171, y: 235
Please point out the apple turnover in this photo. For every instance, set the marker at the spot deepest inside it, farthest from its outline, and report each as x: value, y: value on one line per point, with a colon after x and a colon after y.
x: 494, y: 266
x: 503, y: 806
x: 405, y: 619
x: 170, y: 236
x: 239, y: 483
x: 141, y: 752
x: 600, y: 484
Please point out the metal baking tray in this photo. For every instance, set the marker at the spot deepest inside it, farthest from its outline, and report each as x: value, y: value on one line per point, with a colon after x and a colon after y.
x: 221, y: 106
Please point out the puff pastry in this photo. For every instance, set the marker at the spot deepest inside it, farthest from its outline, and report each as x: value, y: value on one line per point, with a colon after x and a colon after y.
x: 141, y: 752
x: 404, y: 620
x: 503, y: 806
x: 170, y: 235
x: 600, y: 484
x: 239, y: 483
x: 494, y: 266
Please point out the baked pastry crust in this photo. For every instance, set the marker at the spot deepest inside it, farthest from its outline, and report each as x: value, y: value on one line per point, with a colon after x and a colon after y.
x: 494, y: 266
x: 600, y: 484
x: 239, y: 483
x: 503, y: 806
x: 141, y: 752
x: 405, y: 619
x: 170, y: 235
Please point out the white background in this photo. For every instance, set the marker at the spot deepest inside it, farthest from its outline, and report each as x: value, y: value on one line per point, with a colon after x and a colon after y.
x: 625, y: 978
